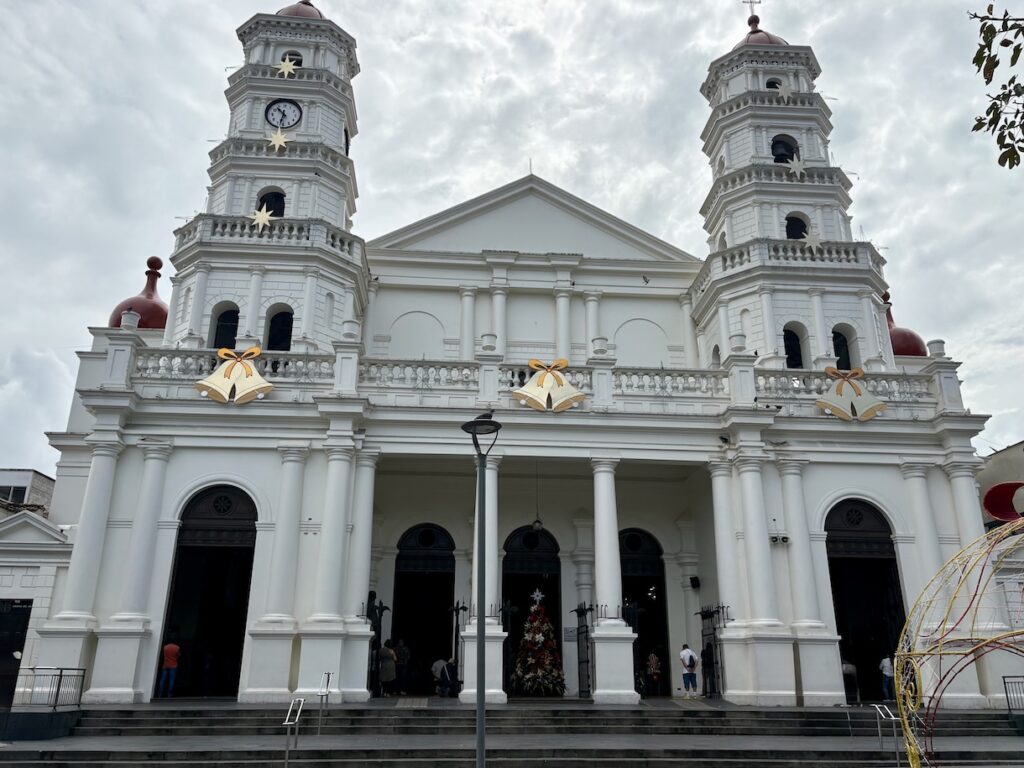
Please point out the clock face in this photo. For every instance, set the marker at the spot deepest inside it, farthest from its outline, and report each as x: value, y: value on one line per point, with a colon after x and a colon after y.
x: 283, y: 113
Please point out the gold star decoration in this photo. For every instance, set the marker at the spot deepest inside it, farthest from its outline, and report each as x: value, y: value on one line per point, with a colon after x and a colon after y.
x: 785, y: 91
x: 278, y: 140
x: 812, y: 241
x: 287, y: 67
x: 795, y: 165
x: 262, y: 218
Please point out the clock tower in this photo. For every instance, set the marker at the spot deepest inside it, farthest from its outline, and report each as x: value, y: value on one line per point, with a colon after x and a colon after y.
x: 272, y: 261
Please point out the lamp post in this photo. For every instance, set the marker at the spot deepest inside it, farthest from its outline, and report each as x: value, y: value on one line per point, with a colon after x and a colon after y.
x: 481, y: 426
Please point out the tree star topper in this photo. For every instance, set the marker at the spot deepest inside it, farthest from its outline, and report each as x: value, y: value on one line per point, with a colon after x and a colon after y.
x: 262, y: 218
x: 785, y: 91
x: 796, y: 166
x: 287, y: 67
x: 812, y: 241
x: 537, y: 596
x: 278, y: 140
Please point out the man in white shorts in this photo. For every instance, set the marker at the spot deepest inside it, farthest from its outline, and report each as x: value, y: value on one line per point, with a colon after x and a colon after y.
x: 689, y: 660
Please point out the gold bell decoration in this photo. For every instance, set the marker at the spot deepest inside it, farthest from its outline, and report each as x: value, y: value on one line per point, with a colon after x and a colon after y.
x: 549, y: 388
x: 236, y: 376
x: 848, y: 400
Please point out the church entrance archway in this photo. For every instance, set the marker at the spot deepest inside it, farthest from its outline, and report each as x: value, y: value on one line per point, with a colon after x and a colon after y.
x: 865, y: 593
x: 531, y: 563
x: 209, y: 596
x: 643, y: 598
x: 423, y: 599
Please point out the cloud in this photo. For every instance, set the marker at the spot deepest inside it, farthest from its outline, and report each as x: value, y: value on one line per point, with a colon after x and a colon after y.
x: 106, y: 144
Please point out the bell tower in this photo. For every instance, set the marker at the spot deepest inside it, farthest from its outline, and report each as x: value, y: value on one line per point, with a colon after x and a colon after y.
x: 785, y: 274
x: 272, y: 261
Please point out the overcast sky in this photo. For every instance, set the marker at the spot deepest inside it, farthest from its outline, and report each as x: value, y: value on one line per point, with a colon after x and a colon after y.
x: 110, y: 107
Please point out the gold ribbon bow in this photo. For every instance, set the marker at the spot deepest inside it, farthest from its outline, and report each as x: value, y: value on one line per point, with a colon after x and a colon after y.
x: 558, y: 365
x: 238, y: 359
x: 845, y: 377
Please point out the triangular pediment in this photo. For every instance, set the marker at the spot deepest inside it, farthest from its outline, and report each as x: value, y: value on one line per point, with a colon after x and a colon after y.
x: 531, y: 216
x: 27, y: 528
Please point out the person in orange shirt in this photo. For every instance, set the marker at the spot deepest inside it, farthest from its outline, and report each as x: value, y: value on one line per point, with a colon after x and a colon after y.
x: 169, y: 670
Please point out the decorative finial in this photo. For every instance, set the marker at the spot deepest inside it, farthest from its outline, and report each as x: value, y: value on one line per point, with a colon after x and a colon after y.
x: 753, y: 21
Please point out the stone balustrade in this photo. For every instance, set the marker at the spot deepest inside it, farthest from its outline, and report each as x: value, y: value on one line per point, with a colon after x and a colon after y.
x: 420, y: 375
x: 191, y: 365
x: 670, y: 383
x: 512, y: 377
x: 304, y: 75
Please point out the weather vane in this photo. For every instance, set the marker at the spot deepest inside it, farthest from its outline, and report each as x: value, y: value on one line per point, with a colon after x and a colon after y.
x: 751, y: 3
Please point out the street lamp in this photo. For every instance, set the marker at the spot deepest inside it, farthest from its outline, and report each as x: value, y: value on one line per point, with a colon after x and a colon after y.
x: 481, y: 426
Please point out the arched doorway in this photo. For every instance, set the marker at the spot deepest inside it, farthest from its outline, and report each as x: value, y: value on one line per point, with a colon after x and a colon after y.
x: 531, y: 562
x: 209, y: 595
x: 643, y: 598
x: 865, y: 592
x: 424, y: 596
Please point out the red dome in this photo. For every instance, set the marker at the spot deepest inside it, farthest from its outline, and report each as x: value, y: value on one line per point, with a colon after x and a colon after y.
x: 904, y: 340
x: 303, y: 8
x: 152, y: 311
x: 757, y: 36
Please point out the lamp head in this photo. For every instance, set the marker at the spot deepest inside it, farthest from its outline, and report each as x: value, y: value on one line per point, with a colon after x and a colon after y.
x: 482, y: 425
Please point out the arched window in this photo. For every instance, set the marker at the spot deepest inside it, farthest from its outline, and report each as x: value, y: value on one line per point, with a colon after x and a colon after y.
x: 295, y: 56
x: 785, y: 148
x: 225, y: 326
x: 348, y: 142
x: 773, y: 84
x: 722, y: 244
x: 279, y: 330
x: 794, y: 339
x: 273, y: 198
x: 845, y: 347
x: 716, y: 357
x: 797, y: 226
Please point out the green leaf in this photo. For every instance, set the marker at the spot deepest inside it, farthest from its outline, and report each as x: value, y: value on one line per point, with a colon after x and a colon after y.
x: 1016, y: 54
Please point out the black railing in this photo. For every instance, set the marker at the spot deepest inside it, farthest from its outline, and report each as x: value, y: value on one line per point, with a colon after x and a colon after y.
x: 42, y: 688
x: 1014, y: 687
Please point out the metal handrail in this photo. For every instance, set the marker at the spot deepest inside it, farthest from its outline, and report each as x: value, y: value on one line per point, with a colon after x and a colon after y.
x: 324, y: 692
x: 291, y: 723
x: 882, y: 712
x: 1013, y: 685
x: 47, y: 687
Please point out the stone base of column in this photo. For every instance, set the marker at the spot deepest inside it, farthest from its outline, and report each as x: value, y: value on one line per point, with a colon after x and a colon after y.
x: 613, y: 663
x: 759, y: 667
x: 320, y: 651
x: 494, y: 638
x: 64, y: 642
x: 115, y: 671
x: 819, y: 667
x: 355, y: 660
x: 271, y: 649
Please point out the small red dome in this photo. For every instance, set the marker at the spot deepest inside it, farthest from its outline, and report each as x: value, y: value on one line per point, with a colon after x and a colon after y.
x: 152, y: 311
x: 303, y: 8
x: 904, y: 340
x: 757, y: 36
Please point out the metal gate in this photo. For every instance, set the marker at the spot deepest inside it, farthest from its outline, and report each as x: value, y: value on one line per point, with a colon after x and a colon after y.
x: 713, y: 617
x: 583, y: 612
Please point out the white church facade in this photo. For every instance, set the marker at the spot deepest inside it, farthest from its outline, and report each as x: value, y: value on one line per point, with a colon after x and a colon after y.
x: 701, y: 469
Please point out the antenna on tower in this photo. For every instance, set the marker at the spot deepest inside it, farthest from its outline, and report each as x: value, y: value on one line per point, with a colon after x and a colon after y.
x: 530, y: 160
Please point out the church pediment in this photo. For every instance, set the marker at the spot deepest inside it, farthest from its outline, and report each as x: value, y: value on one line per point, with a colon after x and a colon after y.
x: 26, y: 529
x: 531, y: 216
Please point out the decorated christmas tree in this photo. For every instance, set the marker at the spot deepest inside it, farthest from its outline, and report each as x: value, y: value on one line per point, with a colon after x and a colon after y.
x: 538, y: 667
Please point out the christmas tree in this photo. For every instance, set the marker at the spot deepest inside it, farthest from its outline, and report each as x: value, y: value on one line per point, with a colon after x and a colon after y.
x: 538, y: 667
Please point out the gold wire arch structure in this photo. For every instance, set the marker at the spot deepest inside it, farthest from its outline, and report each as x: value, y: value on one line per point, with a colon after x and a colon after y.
x: 972, y: 607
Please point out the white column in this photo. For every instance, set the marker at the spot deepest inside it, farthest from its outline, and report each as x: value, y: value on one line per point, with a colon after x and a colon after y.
x: 608, y: 576
x: 965, y: 499
x: 777, y: 222
x: 309, y: 302
x: 723, y: 329
x: 198, y: 300
x: 172, y: 311
x: 822, y: 338
x: 284, y: 561
x: 689, y: 333
x: 330, y: 570
x: 771, y: 333
x: 491, y: 532
x: 371, y: 300
x: 499, y: 317
x: 467, y: 327
x: 250, y: 325
x: 801, y: 563
x: 870, y: 313
x: 136, y: 581
x: 763, y: 608
x: 562, y: 337
x: 361, y: 537
x: 349, y: 310
x: 84, y: 568
x: 592, y: 306
x: 726, y: 559
x: 925, y: 537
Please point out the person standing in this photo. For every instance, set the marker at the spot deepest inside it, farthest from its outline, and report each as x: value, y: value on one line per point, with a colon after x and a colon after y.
x: 169, y: 669
x: 707, y: 663
x: 653, y: 674
x: 689, y: 660
x: 888, y: 679
x: 402, y: 656
x: 387, y: 668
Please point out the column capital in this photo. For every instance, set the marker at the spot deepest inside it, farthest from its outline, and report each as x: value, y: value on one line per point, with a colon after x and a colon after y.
x: 203, y: 267
x: 499, y: 290
x: 961, y: 467
x: 591, y: 296
x: 111, y: 448
x: 815, y: 291
x: 790, y: 465
x: 722, y: 304
x: 339, y: 452
x: 311, y: 272
x: 750, y: 464
x: 257, y: 269
x: 467, y: 291
x: 915, y: 467
x: 685, y: 300
x: 563, y: 292
x: 866, y: 293
x: 157, y: 451
x: 720, y: 468
x: 763, y: 290
x: 603, y: 464
x: 493, y: 461
x: 368, y: 457
x: 291, y: 451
